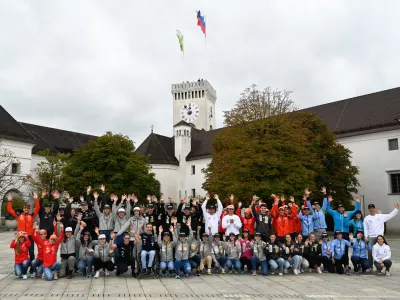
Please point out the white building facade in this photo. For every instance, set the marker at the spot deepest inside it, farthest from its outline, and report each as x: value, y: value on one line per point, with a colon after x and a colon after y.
x: 368, y: 125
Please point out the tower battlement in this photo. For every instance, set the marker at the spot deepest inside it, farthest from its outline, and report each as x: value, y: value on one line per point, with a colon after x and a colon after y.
x: 190, y: 88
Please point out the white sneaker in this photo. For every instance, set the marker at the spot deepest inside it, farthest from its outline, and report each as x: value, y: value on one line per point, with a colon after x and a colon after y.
x: 295, y: 272
x: 387, y: 273
x: 285, y: 271
x: 107, y: 273
x: 301, y: 271
x: 368, y: 270
x: 280, y: 274
x: 272, y: 273
x: 209, y: 271
x: 33, y: 275
x: 55, y: 275
x: 25, y: 277
x: 319, y: 270
x: 43, y: 275
x: 223, y: 271
x: 97, y: 274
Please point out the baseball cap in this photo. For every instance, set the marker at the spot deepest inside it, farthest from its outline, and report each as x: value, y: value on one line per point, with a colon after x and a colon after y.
x: 230, y: 207
x: 136, y: 208
x: 48, y: 204
x: 83, y: 203
x: 338, y: 232
x: 86, y: 233
x: 263, y: 205
x: 205, y: 234
x: 371, y: 206
x: 324, y: 235
x: 165, y: 233
x: 150, y: 205
x: 317, y: 203
x: 340, y: 205
x: 182, y: 234
x: 169, y: 206
x: 102, y: 236
x: 212, y: 206
x: 121, y: 209
x: 257, y: 234
x: 246, y: 230
x: 306, y: 208
x: 187, y: 207
x: 107, y: 206
x: 68, y: 229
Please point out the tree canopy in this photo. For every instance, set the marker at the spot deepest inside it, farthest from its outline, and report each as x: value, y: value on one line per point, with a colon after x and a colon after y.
x: 281, y: 154
x: 110, y: 160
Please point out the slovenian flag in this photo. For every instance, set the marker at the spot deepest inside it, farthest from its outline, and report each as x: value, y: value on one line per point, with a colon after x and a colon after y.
x: 201, y: 22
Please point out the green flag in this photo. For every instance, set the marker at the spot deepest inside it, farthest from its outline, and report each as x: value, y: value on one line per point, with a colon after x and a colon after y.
x: 180, y: 38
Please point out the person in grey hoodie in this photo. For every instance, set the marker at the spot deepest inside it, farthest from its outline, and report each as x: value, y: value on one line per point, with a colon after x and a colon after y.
x: 205, y: 249
x: 182, y: 253
x: 166, y: 250
x: 218, y: 253
x: 259, y: 258
x: 103, y: 252
x: 137, y: 222
x: 121, y: 216
x: 106, y: 218
x: 68, y: 250
x: 233, y: 251
x: 85, y: 245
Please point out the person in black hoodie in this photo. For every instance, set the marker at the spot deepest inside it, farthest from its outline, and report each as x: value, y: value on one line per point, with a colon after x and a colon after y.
x: 47, y: 214
x: 313, y: 252
x: 184, y: 216
x: 68, y: 214
x: 89, y: 217
x: 274, y: 253
x: 125, y: 253
x: 166, y: 218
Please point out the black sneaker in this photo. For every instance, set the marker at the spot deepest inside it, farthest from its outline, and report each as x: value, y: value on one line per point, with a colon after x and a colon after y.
x: 117, y: 273
x: 197, y: 273
x: 144, y: 271
x: 133, y: 274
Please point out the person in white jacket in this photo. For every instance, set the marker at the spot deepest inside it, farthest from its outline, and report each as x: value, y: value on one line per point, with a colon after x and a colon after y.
x: 382, y: 254
x: 211, y: 214
x: 374, y: 224
x: 231, y: 222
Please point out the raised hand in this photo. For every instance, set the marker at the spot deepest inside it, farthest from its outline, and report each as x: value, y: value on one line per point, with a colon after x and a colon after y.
x: 171, y: 228
x: 35, y: 226
x: 132, y: 230
x: 71, y: 199
x: 148, y: 198
x: 207, y: 196
x: 397, y: 206
x: 182, y: 200
x: 216, y: 197
x: 162, y: 200
x: 88, y: 189
x: 79, y: 217
x: 123, y: 197
x: 96, y: 230
x: 154, y: 228
x: 291, y: 198
x: 81, y: 198
x: 307, y: 192
x: 358, y: 199
x: 58, y: 217
x: 9, y: 197
x: 323, y: 190
x: 35, y: 195
x: 103, y: 188
x: 95, y: 195
x: 240, y: 204
x: 135, y: 200
x: 231, y: 197
x: 330, y: 199
x: 112, y: 235
x: 44, y: 193
x: 160, y: 228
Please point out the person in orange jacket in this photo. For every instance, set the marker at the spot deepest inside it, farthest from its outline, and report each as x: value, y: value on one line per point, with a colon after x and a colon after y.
x: 281, y: 221
x: 25, y: 220
x: 248, y: 219
x: 50, y: 247
x: 21, y: 245
x: 291, y: 211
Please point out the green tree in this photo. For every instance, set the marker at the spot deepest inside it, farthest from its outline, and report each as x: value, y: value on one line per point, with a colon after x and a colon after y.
x: 49, y: 174
x: 110, y: 160
x: 281, y: 154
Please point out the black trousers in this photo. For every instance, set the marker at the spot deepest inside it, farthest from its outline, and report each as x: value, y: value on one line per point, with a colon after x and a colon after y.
x: 98, y: 264
x: 314, y: 261
x: 339, y: 263
x: 328, y: 264
x: 246, y: 261
x: 123, y: 265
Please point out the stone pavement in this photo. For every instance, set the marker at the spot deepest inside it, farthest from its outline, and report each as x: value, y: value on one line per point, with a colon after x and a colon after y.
x: 206, y: 287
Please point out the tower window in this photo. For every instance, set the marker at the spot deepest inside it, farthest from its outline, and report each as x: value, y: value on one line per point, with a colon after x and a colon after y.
x: 16, y: 168
x: 180, y: 132
x: 193, y: 170
x: 194, y: 192
x: 175, y: 95
x: 188, y: 95
x: 192, y: 95
x: 393, y: 144
x: 179, y: 96
x: 185, y: 95
x: 182, y: 96
x: 195, y: 94
x: 210, y: 127
x: 202, y: 93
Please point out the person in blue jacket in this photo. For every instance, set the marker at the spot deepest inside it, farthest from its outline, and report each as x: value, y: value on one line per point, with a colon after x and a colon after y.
x: 357, y: 222
x: 339, y: 255
x: 361, y: 246
x: 326, y: 247
x: 307, y: 224
x: 318, y: 213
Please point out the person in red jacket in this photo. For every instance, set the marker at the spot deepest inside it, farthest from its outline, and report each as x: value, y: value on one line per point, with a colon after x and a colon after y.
x: 25, y: 220
x: 21, y: 245
x: 50, y: 264
x: 248, y: 219
x: 281, y: 220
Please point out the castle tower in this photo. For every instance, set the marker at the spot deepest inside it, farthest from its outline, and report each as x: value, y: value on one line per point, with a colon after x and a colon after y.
x: 194, y: 102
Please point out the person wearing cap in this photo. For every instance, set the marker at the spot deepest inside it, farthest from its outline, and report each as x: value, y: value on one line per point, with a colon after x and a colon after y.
x: 89, y: 217
x: 247, y: 251
x: 339, y: 255
x: 233, y: 252
x: 327, y: 250
x: 126, y: 257
x: 106, y: 219
x: 307, y: 222
x: 51, y: 266
x: 166, y: 247
x: 184, y: 215
x: 85, y: 246
x: 121, y: 216
x: 231, y: 222
x: 248, y: 220
x: 274, y: 254
x: 182, y: 249
x: 25, y: 220
x: 68, y: 250
x: 282, y: 220
x: 167, y: 217
x: 374, y: 224
x: 361, y: 246
x: 48, y: 212
x: 212, y: 214
x: 317, y: 212
x: 291, y: 258
x: 313, y: 253
x: 137, y: 222
x: 151, y: 214
x: 258, y: 258
x: 103, y: 252
x: 218, y: 253
x: 299, y: 251
x: 21, y: 245
x: 263, y: 221
x: 205, y: 248
x: 382, y: 254
x: 357, y: 222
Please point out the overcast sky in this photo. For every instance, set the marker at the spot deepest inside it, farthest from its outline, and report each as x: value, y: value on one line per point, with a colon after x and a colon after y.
x: 97, y: 66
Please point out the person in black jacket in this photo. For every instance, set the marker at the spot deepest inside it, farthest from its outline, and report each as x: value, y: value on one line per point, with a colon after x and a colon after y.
x: 151, y: 214
x: 125, y: 254
x: 263, y: 220
x: 275, y: 253
x: 47, y: 214
x: 184, y: 216
x: 89, y: 217
x: 166, y: 218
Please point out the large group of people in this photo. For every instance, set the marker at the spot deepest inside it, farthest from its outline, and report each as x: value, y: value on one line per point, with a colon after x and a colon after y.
x: 111, y: 233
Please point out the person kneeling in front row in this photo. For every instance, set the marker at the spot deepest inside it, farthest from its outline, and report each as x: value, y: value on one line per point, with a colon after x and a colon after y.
x: 381, y: 254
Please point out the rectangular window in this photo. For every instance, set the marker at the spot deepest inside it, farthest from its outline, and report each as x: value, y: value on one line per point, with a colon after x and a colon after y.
x: 179, y: 96
x: 192, y: 95
x: 185, y: 95
x: 395, y: 183
x: 16, y: 168
x: 393, y: 144
x: 193, y: 170
x: 202, y: 93
x: 195, y: 94
x: 194, y: 192
x: 180, y: 194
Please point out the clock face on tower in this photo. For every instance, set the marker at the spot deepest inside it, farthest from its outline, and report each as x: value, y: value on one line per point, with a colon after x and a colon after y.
x: 189, y: 112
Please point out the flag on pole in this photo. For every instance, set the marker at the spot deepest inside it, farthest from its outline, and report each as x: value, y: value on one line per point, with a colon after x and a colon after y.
x: 201, y: 22
x: 180, y: 38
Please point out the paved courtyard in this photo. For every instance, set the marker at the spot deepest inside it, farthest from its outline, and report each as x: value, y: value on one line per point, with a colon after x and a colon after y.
x: 304, y: 286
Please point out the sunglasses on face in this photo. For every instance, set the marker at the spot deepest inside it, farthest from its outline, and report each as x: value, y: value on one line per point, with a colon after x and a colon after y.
x: 102, y: 239
x: 127, y: 238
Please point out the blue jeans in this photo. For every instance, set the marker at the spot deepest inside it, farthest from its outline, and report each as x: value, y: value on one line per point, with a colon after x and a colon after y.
x: 83, y: 263
x: 22, y: 268
x: 107, y: 234
x: 294, y: 261
x: 182, y: 264
x: 48, y: 271
x: 356, y: 260
x: 144, y: 255
x: 277, y: 264
x: 195, y: 261
x: 167, y: 264
x: 222, y: 261
x: 118, y: 241
x: 37, y: 266
x: 233, y: 262
x: 255, y: 262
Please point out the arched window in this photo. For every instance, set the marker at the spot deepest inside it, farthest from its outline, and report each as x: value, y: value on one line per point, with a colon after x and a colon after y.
x: 202, y: 93
x: 179, y: 96
x: 195, y: 94
x: 180, y: 132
